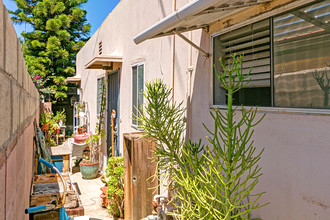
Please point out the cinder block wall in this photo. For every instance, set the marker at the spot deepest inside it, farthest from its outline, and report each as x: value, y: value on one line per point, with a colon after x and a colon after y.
x: 19, y: 107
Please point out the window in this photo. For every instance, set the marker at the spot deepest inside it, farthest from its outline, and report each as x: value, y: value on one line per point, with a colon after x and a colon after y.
x: 302, y: 57
x: 137, y: 90
x: 100, y: 83
x: 298, y: 43
x: 254, y: 42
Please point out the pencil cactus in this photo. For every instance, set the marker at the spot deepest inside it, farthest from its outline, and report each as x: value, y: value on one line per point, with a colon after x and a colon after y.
x: 212, y: 181
x: 219, y: 183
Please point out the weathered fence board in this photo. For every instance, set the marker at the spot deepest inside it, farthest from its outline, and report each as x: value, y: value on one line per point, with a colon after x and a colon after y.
x: 138, y: 169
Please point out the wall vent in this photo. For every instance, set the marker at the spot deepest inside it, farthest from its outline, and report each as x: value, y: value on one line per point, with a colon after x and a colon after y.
x: 100, y: 47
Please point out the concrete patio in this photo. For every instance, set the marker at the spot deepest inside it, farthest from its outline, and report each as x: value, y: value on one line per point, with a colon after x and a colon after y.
x: 90, y: 195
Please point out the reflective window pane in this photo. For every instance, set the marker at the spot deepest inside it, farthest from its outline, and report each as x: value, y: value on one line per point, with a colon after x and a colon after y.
x: 302, y: 57
x: 134, y: 94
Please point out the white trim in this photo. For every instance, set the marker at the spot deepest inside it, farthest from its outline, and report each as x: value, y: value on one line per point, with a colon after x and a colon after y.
x: 280, y: 110
x: 100, y: 75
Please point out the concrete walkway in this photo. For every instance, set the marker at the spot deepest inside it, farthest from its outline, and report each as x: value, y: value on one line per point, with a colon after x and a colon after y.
x: 90, y: 196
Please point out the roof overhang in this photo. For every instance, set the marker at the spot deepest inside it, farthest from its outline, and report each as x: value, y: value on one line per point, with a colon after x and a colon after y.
x: 73, y: 79
x: 195, y: 15
x: 105, y: 62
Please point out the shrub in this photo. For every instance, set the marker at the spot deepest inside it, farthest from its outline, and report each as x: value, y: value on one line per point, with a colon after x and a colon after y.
x: 115, y: 183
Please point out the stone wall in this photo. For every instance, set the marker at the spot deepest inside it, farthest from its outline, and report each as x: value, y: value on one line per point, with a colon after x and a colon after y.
x: 19, y: 107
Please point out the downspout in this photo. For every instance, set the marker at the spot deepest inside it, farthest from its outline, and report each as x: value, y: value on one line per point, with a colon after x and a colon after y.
x: 173, y: 55
x: 190, y: 69
x: 169, y: 193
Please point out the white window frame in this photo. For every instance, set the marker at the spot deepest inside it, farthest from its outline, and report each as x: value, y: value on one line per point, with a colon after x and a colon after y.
x: 272, y: 109
x: 137, y: 93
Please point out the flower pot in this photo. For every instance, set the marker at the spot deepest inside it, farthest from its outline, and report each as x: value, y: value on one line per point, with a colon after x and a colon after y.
x: 82, y: 130
x: 89, y: 170
x: 45, y: 127
x: 80, y: 138
x: 104, y: 196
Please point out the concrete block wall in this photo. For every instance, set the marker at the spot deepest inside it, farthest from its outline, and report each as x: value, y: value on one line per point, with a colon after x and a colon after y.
x: 19, y: 107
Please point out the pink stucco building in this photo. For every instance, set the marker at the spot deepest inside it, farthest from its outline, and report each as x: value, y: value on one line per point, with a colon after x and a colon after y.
x: 287, y: 44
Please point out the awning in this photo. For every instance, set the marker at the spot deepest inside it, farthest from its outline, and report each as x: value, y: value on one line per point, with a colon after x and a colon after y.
x: 73, y: 79
x: 105, y: 62
x: 195, y: 15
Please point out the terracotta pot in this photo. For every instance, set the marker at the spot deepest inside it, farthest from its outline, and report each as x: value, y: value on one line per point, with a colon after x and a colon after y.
x: 80, y: 138
x: 45, y: 127
x: 89, y: 170
x: 80, y: 131
x: 104, y: 196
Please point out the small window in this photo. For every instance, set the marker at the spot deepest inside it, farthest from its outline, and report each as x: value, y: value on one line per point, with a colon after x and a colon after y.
x: 100, y: 86
x: 137, y: 90
x: 253, y: 42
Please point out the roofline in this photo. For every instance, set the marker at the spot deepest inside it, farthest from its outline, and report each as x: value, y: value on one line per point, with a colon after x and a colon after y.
x: 181, y: 14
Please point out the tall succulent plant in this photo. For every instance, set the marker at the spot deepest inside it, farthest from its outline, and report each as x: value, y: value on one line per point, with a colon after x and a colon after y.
x: 209, y: 182
x: 163, y: 121
x: 219, y: 183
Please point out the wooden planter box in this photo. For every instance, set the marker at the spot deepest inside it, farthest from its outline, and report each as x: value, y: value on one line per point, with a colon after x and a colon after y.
x: 138, y: 168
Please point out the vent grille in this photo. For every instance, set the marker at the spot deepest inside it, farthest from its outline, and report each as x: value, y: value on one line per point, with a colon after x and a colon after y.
x: 100, y: 47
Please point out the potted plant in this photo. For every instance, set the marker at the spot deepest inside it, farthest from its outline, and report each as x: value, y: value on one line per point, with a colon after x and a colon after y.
x: 80, y: 107
x: 115, y: 186
x: 89, y: 167
x: 60, y: 117
x: 45, y: 120
x: 80, y: 129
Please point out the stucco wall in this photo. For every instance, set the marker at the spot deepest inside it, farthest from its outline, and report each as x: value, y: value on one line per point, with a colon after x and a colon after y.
x: 297, y: 148
x: 19, y: 106
x: 116, y: 34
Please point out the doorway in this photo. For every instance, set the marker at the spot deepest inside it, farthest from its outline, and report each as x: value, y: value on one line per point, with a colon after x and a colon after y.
x: 113, y: 104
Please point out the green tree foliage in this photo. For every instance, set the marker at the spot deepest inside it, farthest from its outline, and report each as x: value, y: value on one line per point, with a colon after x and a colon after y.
x: 60, y: 29
x: 214, y: 181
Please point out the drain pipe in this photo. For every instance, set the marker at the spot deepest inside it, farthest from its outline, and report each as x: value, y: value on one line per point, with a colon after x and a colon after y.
x: 173, y: 56
x: 190, y: 69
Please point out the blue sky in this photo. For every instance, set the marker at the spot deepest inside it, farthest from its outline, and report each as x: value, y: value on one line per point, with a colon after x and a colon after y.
x: 97, y: 11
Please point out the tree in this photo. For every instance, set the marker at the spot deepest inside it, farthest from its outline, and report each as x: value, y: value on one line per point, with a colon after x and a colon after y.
x: 60, y: 31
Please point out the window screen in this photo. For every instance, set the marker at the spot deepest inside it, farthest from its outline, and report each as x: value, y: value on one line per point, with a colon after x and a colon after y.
x: 253, y: 42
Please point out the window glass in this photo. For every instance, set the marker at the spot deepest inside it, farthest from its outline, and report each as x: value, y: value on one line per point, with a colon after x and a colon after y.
x: 140, y: 87
x: 302, y: 57
x: 137, y: 90
x: 134, y: 94
x: 99, y: 91
x: 252, y: 41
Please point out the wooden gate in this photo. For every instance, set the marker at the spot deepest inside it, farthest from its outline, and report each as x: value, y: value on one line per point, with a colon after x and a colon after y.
x: 138, y: 168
